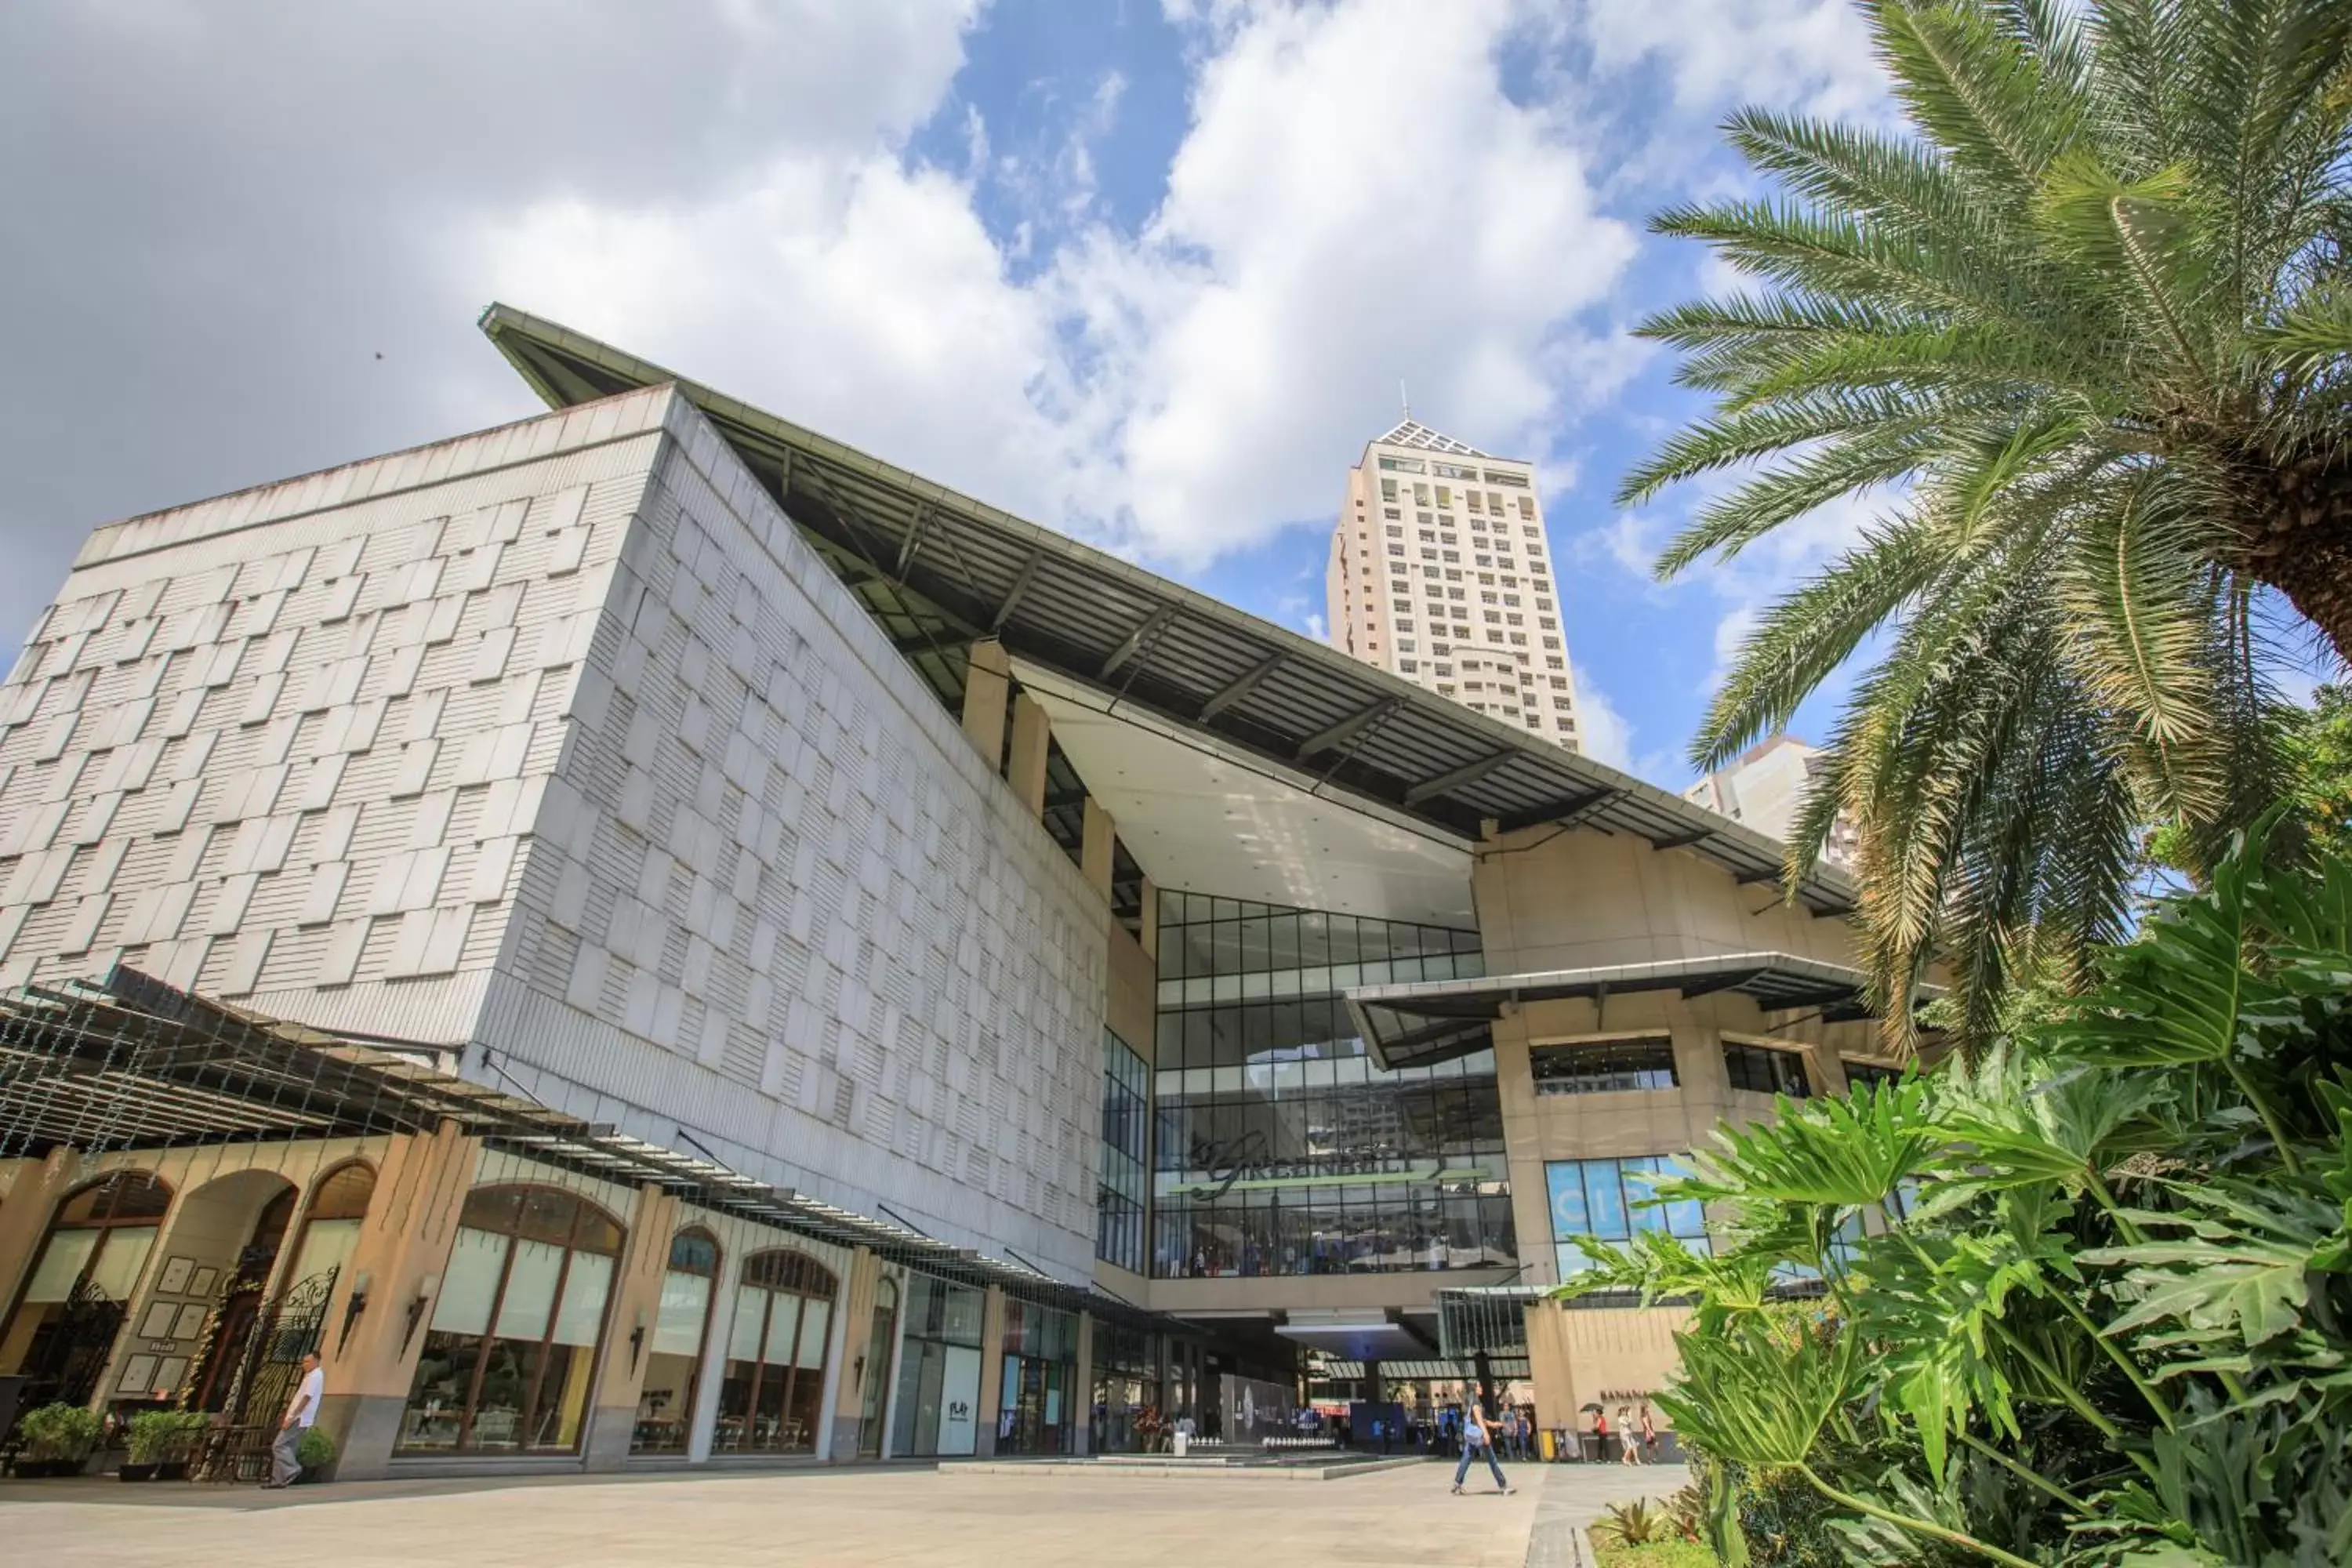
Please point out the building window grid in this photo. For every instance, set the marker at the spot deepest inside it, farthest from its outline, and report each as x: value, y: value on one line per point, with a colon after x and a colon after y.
x: 1610, y: 1200
x: 1279, y: 1085
x: 1122, y: 1188
x: 1761, y: 1070
x: 1605, y: 1066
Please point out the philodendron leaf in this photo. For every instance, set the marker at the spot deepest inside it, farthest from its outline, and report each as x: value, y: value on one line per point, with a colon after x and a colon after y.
x: 2240, y: 1271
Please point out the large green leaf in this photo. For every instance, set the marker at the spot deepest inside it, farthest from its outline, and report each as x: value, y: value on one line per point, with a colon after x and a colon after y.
x: 2238, y: 1269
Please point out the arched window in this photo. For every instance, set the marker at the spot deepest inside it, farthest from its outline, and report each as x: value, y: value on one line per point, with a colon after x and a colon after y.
x: 511, y: 1351
x: 674, y: 1357
x: 65, y: 1319
x: 331, y: 1225
x: 775, y: 1355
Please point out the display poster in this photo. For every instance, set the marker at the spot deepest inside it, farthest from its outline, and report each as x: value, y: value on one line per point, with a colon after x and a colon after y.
x: 1255, y: 1410
x: 960, y: 1401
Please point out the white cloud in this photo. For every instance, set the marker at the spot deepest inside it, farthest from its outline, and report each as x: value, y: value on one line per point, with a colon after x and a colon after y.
x: 1182, y: 391
x: 1812, y: 55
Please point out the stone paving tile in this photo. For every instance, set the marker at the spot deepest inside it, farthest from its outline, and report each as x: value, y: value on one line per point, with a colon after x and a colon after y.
x: 1396, y: 1519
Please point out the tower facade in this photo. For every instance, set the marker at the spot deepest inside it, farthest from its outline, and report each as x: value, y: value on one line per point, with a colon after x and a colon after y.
x: 1440, y: 571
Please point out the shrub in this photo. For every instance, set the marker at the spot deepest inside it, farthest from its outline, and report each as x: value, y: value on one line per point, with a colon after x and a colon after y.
x: 163, y: 1436
x: 1635, y: 1523
x: 58, y: 1432
x: 314, y: 1450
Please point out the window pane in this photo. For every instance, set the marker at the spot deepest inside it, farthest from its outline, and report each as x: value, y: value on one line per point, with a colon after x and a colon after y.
x: 326, y: 1243
x: 1605, y: 1198
x: 531, y: 1291
x: 814, y: 1322
x: 585, y: 1289
x: 62, y: 1265
x: 1569, y: 1216
x: 469, y: 1283
x: 750, y: 1326
x: 116, y: 1272
x: 679, y: 1330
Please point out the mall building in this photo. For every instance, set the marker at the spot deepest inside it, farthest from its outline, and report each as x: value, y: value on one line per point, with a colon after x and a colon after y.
x: 648, y: 936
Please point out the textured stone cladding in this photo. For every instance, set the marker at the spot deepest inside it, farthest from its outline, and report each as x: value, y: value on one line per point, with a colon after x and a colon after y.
x: 557, y: 742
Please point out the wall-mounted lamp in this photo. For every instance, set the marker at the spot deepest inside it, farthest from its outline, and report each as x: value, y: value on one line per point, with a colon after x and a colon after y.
x: 426, y: 1288
x: 636, y: 1340
x: 857, y: 1369
x: 352, y: 1308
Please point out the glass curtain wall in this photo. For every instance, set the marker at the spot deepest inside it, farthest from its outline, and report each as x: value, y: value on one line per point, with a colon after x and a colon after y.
x: 937, y: 1402
x: 1278, y: 1147
x: 665, y: 1421
x: 1610, y: 1199
x: 1039, y: 1403
x: 1126, y: 1389
x: 1126, y: 1124
x: 510, y: 1354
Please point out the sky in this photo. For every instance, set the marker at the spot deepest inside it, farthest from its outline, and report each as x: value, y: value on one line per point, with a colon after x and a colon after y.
x: 1148, y: 271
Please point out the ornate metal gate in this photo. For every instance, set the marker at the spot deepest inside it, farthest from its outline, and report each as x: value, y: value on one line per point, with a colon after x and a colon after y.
x: 284, y: 1331
x: 67, y: 1355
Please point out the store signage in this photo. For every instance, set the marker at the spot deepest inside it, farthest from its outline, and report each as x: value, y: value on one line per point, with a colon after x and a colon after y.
x: 1247, y: 1163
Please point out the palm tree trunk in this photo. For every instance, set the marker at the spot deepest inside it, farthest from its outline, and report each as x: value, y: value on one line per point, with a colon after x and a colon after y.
x: 2307, y: 554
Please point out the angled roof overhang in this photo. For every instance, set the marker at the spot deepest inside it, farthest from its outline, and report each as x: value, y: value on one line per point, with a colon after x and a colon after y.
x: 1417, y: 1022
x: 939, y: 570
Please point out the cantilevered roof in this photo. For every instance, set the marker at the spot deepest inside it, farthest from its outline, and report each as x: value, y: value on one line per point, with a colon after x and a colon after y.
x: 939, y: 569
x: 1420, y: 1021
x: 137, y: 1064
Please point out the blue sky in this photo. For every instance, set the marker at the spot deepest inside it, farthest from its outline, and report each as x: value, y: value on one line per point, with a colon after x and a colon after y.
x: 1146, y: 270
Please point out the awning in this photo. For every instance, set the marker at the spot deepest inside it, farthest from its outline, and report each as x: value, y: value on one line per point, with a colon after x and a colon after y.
x: 1367, y: 1334
x: 136, y: 1064
x: 1422, y: 1021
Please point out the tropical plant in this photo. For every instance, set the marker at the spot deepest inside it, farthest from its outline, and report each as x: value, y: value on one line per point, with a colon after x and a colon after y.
x: 1635, y: 1523
x: 2086, y: 326
x: 2098, y: 1304
x: 54, y: 1433
x: 163, y: 1437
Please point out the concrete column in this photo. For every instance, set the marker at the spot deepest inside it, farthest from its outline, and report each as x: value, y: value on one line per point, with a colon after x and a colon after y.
x: 991, y: 1371
x: 629, y: 1319
x: 1150, y: 936
x: 1027, y: 770
x: 402, y: 1250
x: 713, y: 1371
x: 986, y: 685
x: 856, y: 1359
x: 1082, y: 1424
x: 33, y: 1197
x: 1097, y: 834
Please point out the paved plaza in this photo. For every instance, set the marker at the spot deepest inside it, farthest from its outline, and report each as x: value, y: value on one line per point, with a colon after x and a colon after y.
x: 1052, y: 1518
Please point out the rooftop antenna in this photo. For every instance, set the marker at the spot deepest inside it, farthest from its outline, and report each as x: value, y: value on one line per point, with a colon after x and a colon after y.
x: 1404, y: 400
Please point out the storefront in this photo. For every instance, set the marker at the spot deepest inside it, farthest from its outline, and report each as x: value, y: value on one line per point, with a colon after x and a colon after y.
x: 1039, y: 1405
x: 63, y: 1326
x: 510, y: 1352
x: 1126, y: 1412
x: 937, y: 1408
x: 776, y: 1346
x: 665, y: 1403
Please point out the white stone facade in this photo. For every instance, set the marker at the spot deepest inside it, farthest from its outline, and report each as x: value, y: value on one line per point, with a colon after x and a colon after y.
x: 558, y: 742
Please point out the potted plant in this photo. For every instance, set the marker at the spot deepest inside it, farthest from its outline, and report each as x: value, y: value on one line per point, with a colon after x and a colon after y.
x: 160, y: 1443
x: 57, y: 1441
x: 315, y: 1452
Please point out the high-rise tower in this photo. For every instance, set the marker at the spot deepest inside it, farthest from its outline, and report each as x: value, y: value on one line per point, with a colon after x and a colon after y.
x: 1440, y: 572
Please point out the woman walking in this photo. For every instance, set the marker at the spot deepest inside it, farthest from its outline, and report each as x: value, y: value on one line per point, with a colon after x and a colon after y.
x: 1478, y: 1441
x: 1628, y: 1442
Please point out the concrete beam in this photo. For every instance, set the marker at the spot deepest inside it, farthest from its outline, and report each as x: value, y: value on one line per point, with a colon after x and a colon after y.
x: 1026, y: 771
x: 986, y: 686
x: 1096, y: 835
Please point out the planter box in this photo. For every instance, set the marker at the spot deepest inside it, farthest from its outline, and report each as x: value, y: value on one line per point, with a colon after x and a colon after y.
x: 42, y: 1469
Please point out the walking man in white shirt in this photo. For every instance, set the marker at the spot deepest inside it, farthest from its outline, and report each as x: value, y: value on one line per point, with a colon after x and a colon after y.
x: 300, y: 1413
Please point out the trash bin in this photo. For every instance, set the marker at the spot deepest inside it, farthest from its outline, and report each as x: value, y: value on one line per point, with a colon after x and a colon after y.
x: 1549, y: 1444
x: 1183, y: 1443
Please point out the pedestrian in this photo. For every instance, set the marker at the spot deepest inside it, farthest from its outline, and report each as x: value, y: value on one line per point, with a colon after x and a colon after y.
x: 301, y: 1413
x: 1519, y: 1444
x: 1649, y: 1434
x: 1600, y: 1435
x: 1628, y: 1441
x: 1478, y: 1441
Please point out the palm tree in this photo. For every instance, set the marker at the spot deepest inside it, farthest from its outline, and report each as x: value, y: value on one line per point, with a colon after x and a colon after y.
x: 2088, y: 328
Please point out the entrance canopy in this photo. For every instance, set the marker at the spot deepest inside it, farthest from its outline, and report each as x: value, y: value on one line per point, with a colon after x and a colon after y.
x: 1357, y: 1335
x: 136, y: 1064
x: 1417, y: 1022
